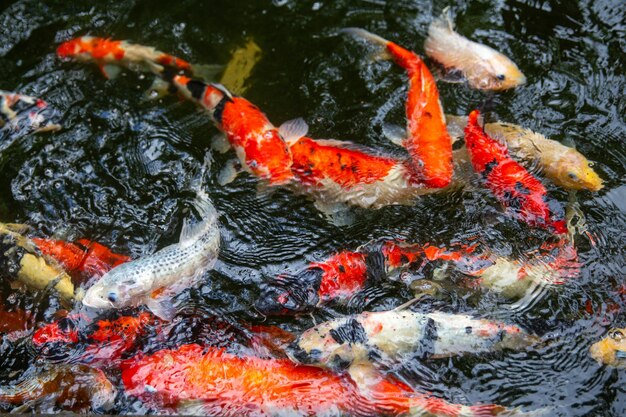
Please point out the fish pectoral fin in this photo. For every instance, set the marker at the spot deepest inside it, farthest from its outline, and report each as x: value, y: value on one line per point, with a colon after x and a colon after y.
x: 207, y: 72
x: 451, y: 75
x: 292, y: 130
x: 220, y: 143
x: 229, y: 172
x: 396, y: 134
x: 110, y: 71
x: 208, y: 217
x: 162, y: 307
x: 158, y: 89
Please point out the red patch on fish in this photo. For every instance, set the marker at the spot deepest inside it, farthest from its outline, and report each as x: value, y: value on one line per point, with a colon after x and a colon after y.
x: 344, y: 275
x: 98, y: 48
x: 516, y: 188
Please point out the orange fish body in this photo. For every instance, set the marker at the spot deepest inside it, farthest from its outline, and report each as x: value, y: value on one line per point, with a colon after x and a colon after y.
x: 100, y: 343
x: 222, y: 384
x: 428, y: 142
x: 83, y: 257
x: 516, y: 188
x: 256, y: 141
x: 121, y: 53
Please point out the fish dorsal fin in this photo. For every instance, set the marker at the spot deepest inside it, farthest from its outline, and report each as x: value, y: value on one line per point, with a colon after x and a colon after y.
x: 292, y: 130
x: 396, y: 134
x: 110, y: 71
x: 446, y: 17
x: 207, y: 214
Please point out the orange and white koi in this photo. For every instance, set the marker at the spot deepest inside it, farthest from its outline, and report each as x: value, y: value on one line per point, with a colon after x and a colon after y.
x: 24, y: 114
x: 428, y: 141
x: 64, y: 387
x: 387, y: 337
x: 83, y: 259
x: 198, y: 380
x: 523, y: 195
x: 110, y: 55
x: 484, y: 68
x: 611, y: 350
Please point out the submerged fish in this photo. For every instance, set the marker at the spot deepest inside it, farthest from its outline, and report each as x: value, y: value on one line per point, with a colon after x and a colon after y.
x: 611, y: 350
x: 82, y: 259
x: 154, y: 279
x: 564, y: 166
x: 20, y: 115
x: 340, y: 277
x: 240, y: 67
x: 484, y: 68
x: 388, y: 337
x: 518, y: 190
x: 65, y: 387
x: 428, y: 141
x: 99, y: 343
x: 110, y: 55
x: 194, y: 380
x: 21, y: 260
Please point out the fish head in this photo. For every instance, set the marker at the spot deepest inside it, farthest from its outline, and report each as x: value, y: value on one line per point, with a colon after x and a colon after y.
x: 291, y: 295
x: 335, y: 345
x: 115, y: 289
x: 56, y: 340
x: 575, y: 172
x: 497, y: 73
x: 516, y: 338
x: 74, y: 48
x: 612, y: 349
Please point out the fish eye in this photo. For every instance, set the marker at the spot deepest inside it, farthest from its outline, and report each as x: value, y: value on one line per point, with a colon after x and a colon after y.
x: 616, y: 335
x: 501, y: 77
x: 112, y: 297
x: 572, y: 176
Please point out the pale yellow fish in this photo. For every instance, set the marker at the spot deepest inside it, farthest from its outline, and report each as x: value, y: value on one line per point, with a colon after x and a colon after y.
x: 612, y: 349
x: 564, y: 166
x: 29, y: 266
x: 483, y: 67
x: 240, y: 67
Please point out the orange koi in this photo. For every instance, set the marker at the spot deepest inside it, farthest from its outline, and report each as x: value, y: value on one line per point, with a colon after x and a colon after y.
x: 83, y: 258
x: 516, y: 188
x: 99, y: 343
x: 209, y: 381
x: 428, y: 141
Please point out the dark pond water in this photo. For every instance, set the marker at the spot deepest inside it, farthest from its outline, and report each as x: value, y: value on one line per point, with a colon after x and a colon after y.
x: 120, y: 170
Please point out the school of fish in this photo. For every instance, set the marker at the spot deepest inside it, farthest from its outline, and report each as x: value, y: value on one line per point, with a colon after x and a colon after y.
x: 342, y: 366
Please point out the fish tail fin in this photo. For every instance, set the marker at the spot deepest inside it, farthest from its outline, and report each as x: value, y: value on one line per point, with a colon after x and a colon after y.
x: 207, y: 72
x: 191, y: 231
x: 372, y: 38
x: 445, y: 19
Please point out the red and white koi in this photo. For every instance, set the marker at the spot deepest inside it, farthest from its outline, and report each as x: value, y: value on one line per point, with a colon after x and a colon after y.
x: 110, y: 55
x: 25, y: 114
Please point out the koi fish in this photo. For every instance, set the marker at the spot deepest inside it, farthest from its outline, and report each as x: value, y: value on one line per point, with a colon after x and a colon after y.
x: 20, y: 115
x: 207, y: 381
x: 240, y: 66
x: 66, y: 387
x: 564, y: 166
x: 164, y: 273
x: 518, y: 190
x: 99, y: 343
x: 110, y: 55
x: 22, y: 261
x: 428, y: 141
x: 611, y: 350
x: 484, y: 68
x: 83, y: 258
x: 344, y: 274
x: 391, y: 336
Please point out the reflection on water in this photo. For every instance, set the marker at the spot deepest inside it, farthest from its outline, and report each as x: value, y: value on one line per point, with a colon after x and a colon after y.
x: 120, y: 170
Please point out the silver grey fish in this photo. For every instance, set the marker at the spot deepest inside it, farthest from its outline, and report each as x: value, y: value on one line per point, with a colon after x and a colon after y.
x: 154, y: 279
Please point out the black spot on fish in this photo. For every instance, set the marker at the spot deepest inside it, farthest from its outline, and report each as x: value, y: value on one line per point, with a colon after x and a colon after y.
x: 512, y: 201
x: 219, y: 109
x: 196, y: 88
x: 350, y: 332
x: 300, y: 355
x: 489, y: 167
x: 338, y: 363
x: 468, y: 330
x: 521, y: 188
x: 427, y: 344
x: 342, y: 269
